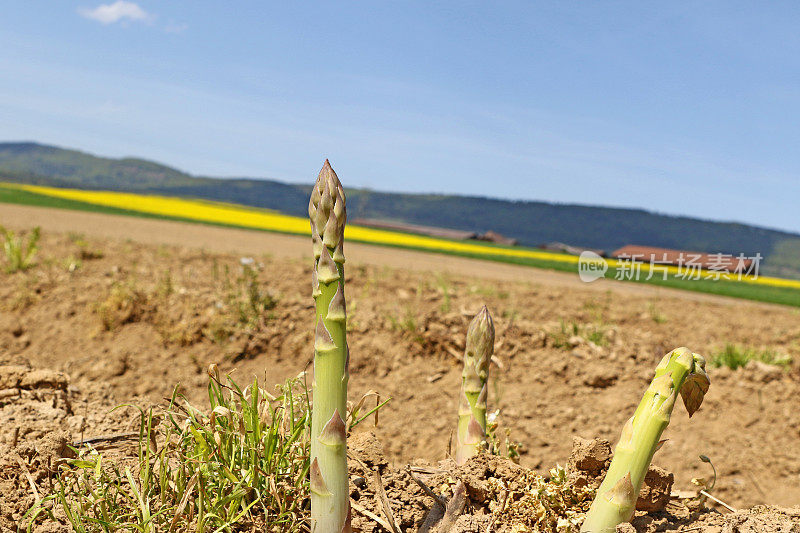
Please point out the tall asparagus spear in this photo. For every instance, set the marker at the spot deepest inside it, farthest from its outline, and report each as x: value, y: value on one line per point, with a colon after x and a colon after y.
x: 472, y: 401
x: 680, y: 370
x: 330, y: 503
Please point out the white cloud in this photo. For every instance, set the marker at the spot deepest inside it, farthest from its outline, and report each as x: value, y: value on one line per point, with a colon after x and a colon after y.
x: 121, y: 10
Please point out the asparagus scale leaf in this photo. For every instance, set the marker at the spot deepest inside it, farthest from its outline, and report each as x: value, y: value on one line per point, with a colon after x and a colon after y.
x: 330, y: 496
x: 679, y: 371
x: 471, y: 430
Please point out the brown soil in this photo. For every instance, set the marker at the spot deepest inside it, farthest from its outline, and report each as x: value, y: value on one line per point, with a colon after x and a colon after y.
x: 80, y: 334
x: 495, y: 494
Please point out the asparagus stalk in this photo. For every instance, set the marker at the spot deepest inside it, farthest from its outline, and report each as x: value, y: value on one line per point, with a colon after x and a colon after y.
x: 471, y: 430
x: 679, y: 371
x: 330, y: 503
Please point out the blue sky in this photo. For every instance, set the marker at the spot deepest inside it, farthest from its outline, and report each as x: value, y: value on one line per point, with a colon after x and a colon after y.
x: 684, y: 108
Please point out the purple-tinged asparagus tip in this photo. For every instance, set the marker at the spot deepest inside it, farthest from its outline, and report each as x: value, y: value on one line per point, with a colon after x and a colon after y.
x: 480, y: 335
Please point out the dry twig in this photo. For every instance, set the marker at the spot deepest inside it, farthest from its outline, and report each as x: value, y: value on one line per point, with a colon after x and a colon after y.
x: 712, y: 498
x: 442, y: 502
x: 370, y: 514
x: 387, y: 510
x: 105, y: 438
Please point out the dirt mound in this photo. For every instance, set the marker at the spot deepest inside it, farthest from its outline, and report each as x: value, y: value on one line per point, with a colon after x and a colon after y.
x: 42, y: 418
x: 589, y: 461
x: 763, y: 519
x: 494, y: 493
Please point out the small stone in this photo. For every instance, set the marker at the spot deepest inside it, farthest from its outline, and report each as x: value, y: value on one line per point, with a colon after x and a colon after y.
x: 54, y: 446
x: 478, y: 469
x: 589, y: 455
x: 656, y: 490
x: 600, y: 378
x: 44, y: 378
x: 11, y: 375
x: 369, y: 449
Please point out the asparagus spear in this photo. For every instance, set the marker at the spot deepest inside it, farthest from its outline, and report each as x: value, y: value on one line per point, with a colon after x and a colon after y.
x: 680, y: 370
x: 330, y: 503
x: 471, y: 429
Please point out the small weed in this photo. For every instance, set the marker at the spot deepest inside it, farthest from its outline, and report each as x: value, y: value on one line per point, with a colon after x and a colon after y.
x: 599, y: 307
x: 538, y: 503
x: 407, y: 323
x: 219, y: 329
x: 655, y: 314
x: 215, y: 270
x: 24, y: 297
x: 561, y: 338
x: 444, y: 285
x: 84, y: 251
x: 353, y: 323
x: 356, y: 414
x: 19, y: 254
x: 493, y: 444
x: 125, y: 303
x: 72, y: 263
x: 734, y: 357
x: 246, y: 462
x: 165, y: 286
x: 239, y: 306
x: 594, y: 333
x: 242, y: 305
x: 489, y: 292
x: 251, y: 302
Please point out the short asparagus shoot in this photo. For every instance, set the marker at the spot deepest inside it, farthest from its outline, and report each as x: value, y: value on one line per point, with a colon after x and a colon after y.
x: 471, y: 430
x: 679, y: 371
x: 330, y: 496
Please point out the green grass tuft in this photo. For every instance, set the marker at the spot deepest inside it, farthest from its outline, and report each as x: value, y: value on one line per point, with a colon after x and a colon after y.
x: 655, y: 313
x: 243, y: 466
x: 734, y: 357
x: 19, y: 254
x: 594, y: 333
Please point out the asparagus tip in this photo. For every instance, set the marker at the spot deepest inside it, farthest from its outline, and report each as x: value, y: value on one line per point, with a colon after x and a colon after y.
x: 326, y: 207
x: 480, y: 334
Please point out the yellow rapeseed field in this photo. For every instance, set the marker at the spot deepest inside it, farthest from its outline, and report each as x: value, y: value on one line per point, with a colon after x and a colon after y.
x: 263, y: 219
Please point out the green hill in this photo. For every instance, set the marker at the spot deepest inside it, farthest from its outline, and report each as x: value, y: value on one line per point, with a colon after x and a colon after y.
x: 532, y: 223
